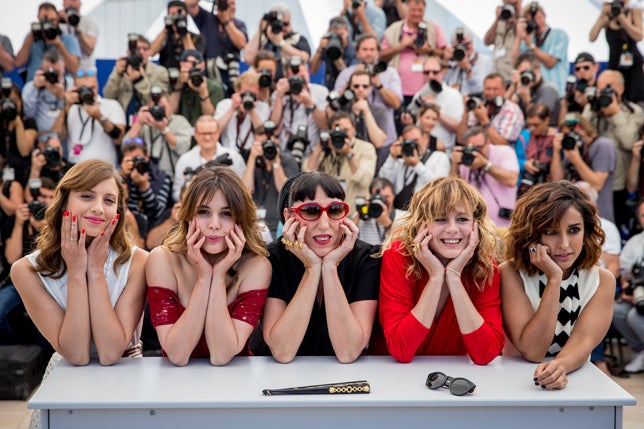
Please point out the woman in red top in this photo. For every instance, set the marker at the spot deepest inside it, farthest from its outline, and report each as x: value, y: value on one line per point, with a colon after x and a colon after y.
x: 209, y: 279
x: 439, y: 283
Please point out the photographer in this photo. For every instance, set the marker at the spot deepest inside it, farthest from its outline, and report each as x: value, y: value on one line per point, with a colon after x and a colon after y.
x: 364, y: 18
x: 266, y: 172
x: 84, y: 28
x: 549, y: 45
x: 44, y: 96
x: 623, y: 28
x: 528, y: 87
x: 133, y: 76
x: 148, y: 186
x: 585, y: 79
x: 175, y: 39
x: 628, y: 316
x: 193, y: 94
x: 165, y: 134
x: 367, y: 117
x: 7, y: 58
x: 466, y: 68
x: 408, y: 42
x: 266, y: 67
x: 47, y: 36
x: 618, y: 120
x: 635, y: 172
x: 17, y: 133
x: 376, y: 214
x: 413, y: 162
x: 492, y: 169
x: 580, y: 154
x: 225, y: 37
x: 501, y: 35
x: 92, y: 125
x: 534, y: 148
x: 298, y: 103
x: 208, y: 150
x: 241, y: 113
x: 276, y: 34
x: 335, y: 52
x: 348, y: 159
x: 47, y: 160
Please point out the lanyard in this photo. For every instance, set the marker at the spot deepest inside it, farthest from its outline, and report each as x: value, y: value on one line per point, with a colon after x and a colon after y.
x: 84, y: 124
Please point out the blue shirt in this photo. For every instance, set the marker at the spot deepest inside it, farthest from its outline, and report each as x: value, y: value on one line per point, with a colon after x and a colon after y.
x: 208, y: 25
x: 556, y: 45
x: 39, y: 47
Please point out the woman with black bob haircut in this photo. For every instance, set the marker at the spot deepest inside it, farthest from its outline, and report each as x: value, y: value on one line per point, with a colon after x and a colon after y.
x: 556, y: 301
x: 323, y: 295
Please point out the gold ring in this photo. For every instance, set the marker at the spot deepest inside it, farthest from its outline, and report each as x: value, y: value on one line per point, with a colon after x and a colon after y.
x: 286, y: 242
x: 533, y: 250
x: 297, y: 244
x: 414, y: 247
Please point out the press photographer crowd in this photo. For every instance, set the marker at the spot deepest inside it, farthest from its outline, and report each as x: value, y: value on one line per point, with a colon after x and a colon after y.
x: 401, y: 107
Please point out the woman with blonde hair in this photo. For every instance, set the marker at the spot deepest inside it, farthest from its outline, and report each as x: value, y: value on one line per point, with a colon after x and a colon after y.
x: 557, y: 301
x: 439, y: 283
x: 209, y: 279
x: 84, y: 286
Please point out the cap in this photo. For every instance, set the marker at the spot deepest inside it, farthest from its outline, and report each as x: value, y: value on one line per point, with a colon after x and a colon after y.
x: 191, y: 53
x: 584, y: 56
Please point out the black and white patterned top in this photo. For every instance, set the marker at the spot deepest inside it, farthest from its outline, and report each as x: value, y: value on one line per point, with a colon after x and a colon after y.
x: 576, y: 291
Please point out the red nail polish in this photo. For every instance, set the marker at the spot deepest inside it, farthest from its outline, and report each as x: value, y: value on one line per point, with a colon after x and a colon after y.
x: 118, y: 216
x: 83, y: 231
x: 114, y: 221
x: 102, y: 233
x: 65, y: 213
x: 74, y: 218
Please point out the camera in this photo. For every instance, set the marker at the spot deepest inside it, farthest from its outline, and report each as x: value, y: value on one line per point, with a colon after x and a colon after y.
x: 248, y: 100
x: 435, y: 86
x: 334, y: 48
x: 49, y: 30
x: 325, y: 138
x: 51, y: 76
x: 229, y: 62
x: 408, y: 147
x: 179, y: 21
x: 195, y: 76
x: 37, y: 209
x: 265, y: 78
x: 338, y: 137
x: 526, y: 77
x: 636, y: 287
x: 340, y: 101
x: 459, y: 50
x: 529, y: 180
x: 468, y: 155
x: 571, y: 140
x: 134, y: 59
x: 8, y: 107
x: 85, y: 95
x: 616, y: 8
x: 373, y: 209
x: 157, y: 112
x: 52, y: 156
x: 298, y: 142
x: 531, y: 24
x: 269, y: 146
x: 356, y: 3
x: 222, y: 5
x: 275, y: 21
x: 374, y: 69
x: 421, y: 35
x: 472, y: 103
x: 296, y: 85
x: 221, y: 160
x: 507, y: 10
x: 505, y: 213
x: 173, y: 76
x: 141, y: 164
x: 604, y: 99
x: 73, y: 16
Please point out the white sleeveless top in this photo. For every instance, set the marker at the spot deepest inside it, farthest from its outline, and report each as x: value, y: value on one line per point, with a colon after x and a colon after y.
x: 116, y: 283
x: 574, y: 295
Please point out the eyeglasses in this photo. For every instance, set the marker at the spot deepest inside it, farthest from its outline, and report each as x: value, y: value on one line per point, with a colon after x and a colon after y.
x: 457, y: 386
x: 136, y: 140
x: 434, y: 72
x: 286, y: 23
x: 312, y: 211
x: 580, y: 68
x: 357, y: 86
x: 84, y: 73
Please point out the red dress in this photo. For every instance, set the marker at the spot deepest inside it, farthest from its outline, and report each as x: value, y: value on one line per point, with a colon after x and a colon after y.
x: 407, y: 337
x: 165, y: 309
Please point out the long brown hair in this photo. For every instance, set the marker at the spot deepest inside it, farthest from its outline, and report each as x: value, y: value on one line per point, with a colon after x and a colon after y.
x: 81, y: 177
x: 200, y: 191
x: 435, y: 200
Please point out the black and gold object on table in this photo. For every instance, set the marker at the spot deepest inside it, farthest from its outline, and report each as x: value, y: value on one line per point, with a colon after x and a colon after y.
x: 361, y: 386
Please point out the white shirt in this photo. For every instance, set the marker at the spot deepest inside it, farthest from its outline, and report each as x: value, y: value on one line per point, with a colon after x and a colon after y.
x: 239, y: 135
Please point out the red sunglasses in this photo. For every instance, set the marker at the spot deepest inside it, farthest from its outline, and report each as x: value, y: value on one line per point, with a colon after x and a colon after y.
x: 312, y: 211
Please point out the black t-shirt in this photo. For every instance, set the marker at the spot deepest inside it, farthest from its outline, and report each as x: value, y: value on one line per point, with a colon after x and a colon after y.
x: 359, y: 275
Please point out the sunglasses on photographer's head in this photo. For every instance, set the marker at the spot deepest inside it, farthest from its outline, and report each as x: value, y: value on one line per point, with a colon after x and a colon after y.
x: 313, y: 211
x: 457, y: 386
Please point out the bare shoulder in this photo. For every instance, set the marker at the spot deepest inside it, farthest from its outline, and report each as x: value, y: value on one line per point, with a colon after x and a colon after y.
x: 23, y: 275
x: 508, y: 271
x: 161, y: 266
x: 254, y: 272
x: 140, y: 256
x: 606, y: 283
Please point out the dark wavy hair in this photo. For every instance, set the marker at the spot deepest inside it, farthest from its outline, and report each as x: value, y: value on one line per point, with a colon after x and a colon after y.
x: 541, y: 209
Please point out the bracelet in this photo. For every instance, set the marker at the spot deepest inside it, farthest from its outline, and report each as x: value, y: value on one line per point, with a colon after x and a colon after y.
x: 103, y: 120
x: 165, y: 131
x: 204, y: 98
x: 453, y: 271
x: 487, y: 166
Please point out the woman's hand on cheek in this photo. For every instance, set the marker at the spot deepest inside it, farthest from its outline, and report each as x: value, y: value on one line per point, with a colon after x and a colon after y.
x: 458, y: 264
x: 425, y: 256
x: 293, y: 236
x: 350, y: 232
x: 72, y: 244
x: 98, y: 248
x: 236, y: 241
x: 541, y: 259
x: 194, y: 241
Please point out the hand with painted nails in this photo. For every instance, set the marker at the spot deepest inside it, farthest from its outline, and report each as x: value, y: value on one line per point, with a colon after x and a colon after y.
x: 295, y: 234
x: 72, y: 244
x: 194, y: 241
x: 236, y: 241
x: 350, y: 231
x: 97, y: 250
x: 550, y: 375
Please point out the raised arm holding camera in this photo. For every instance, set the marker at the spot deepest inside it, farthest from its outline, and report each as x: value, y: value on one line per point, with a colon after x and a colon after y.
x: 466, y: 67
x: 47, y: 160
x: 501, y: 35
x: 175, y: 38
x: 376, y: 213
x: 335, y: 51
x: 83, y: 27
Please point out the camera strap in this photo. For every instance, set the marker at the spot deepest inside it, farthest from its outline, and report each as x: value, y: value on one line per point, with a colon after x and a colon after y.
x: 159, y: 153
x: 241, y: 144
x: 540, y: 40
x: 84, y: 123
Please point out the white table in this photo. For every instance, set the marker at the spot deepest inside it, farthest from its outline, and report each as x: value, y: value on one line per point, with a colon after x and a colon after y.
x: 152, y: 393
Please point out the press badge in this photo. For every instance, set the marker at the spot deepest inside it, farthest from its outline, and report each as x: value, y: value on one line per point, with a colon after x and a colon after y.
x: 53, y: 113
x: 77, y: 149
x: 8, y: 174
x: 626, y: 59
x: 500, y: 53
x: 417, y: 65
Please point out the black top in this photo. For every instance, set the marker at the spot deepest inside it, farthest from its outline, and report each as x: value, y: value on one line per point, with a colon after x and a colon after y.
x: 359, y: 275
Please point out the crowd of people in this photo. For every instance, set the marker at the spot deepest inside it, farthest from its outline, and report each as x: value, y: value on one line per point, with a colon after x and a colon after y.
x: 424, y: 198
